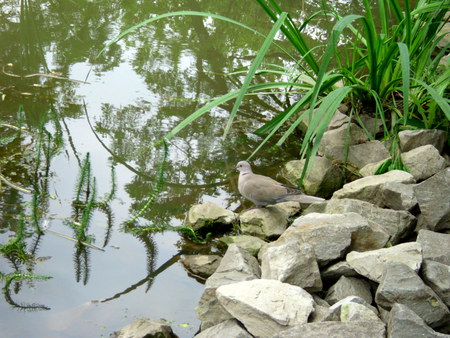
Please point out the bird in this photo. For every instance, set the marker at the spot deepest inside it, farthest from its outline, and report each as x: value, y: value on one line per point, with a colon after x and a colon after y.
x: 263, y: 190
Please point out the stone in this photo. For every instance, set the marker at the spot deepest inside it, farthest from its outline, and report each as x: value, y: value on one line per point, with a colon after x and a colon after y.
x: 370, y: 188
x: 357, y: 312
x: 399, y: 196
x: 337, y: 121
x: 226, y: 329
x: 434, y: 202
x: 323, y: 179
x: 347, y: 232
x: 400, y: 284
x: 356, y: 329
x: 321, y: 309
x: 367, y: 152
x: 250, y: 243
x: 145, y: 327
x: 208, y: 215
x: 266, y: 307
x: 373, y: 125
x: 292, y: 262
x: 265, y: 223
x: 437, y: 276
x: 335, y: 271
x: 290, y: 208
x: 396, y: 224
x: 371, y: 264
x: 236, y: 265
x: 370, y: 168
x: 410, y: 139
x: 423, y: 162
x: 338, y: 137
x: 405, y: 323
x: 349, y: 286
x: 334, y: 313
x: 201, y: 266
x: 432, y: 245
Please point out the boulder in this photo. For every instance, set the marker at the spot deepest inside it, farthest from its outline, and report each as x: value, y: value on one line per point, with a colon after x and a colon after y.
x: 349, y: 286
x: 370, y: 168
x: 266, y: 307
x: 434, y: 202
x: 370, y: 188
x: 207, y: 215
x: 400, y: 284
x: 264, y: 223
x: 292, y: 262
x: 399, y: 196
x: 323, y: 179
x: 437, y: 276
x: 335, y: 271
x: 356, y: 312
x: 250, y: 243
x: 337, y: 121
x: 371, y: 264
x: 384, y: 223
x: 226, y: 329
x: 145, y: 327
x: 405, y: 323
x: 432, y: 244
x: 423, y: 162
x: 367, y: 152
x: 201, y: 266
x: 410, y: 139
x: 321, y: 309
x: 334, y: 313
x: 352, y: 329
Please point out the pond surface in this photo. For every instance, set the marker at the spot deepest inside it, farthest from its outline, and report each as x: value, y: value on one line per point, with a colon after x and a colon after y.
x: 134, y: 94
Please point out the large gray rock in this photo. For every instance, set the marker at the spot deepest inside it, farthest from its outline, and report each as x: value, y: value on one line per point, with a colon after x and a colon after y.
x: 266, y: 307
x: 423, y: 162
x: 367, y: 152
x: 264, y: 222
x: 292, y: 262
x: 349, y: 286
x: 206, y: 214
x: 346, y: 232
x: 370, y: 188
x: 399, y: 196
x: 237, y: 265
x: 250, y: 243
x: 356, y: 329
x: 437, y: 276
x: 405, y: 323
x: 338, y: 139
x: 400, y: 284
x: 433, y: 245
x: 145, y: 327
x: 338, y: 120
x: 334, y: 311
x: 323, y: 179
x: 335, y: 271
x: 434, y: 202
x: 227, y: 329
x: 394, y: 223
x: 201, y: 266
x: 357, y: 312
x: 371, y: 264
x: 410, y: 139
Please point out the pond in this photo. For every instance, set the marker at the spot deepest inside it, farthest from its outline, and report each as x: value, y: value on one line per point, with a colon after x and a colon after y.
x: 92, y: 122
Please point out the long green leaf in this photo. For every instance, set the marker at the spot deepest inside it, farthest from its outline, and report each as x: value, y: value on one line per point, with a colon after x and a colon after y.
x: 404, y: 60
x: 441, y: 101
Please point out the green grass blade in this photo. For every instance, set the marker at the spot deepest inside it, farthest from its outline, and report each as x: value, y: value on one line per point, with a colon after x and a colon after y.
x: 404, y: 60
x: 441, y: 101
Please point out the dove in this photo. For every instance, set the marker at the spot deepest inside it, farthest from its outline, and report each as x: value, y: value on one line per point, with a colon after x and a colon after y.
x: 263, y: 190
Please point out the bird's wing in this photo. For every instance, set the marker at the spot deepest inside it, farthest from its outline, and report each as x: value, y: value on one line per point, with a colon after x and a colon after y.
x: 261, y: 189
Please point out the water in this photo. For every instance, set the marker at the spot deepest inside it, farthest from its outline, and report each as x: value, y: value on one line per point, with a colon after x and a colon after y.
x: 137, y: 91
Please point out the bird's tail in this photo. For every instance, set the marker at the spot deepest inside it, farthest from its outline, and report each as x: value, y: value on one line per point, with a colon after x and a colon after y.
x: 303, y: 199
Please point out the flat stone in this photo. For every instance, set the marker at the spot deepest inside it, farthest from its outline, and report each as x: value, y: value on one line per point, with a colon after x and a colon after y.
x: 226, y: 329
x: 437, y: 276
x: 207, y: 214
x: 266, y: 307
x: 335, y: 271
x: 201, y: 266
x: 264, y: 223
x: 410, y: 139
x: 250, y: 243
x: 334, y: 313
x: 145, y: 327
x: 432, y: 244
x: 367, y: 152
x: 349, y: 286
x: 371, y: 264
x: 423, y: 162
x: 400, y: 284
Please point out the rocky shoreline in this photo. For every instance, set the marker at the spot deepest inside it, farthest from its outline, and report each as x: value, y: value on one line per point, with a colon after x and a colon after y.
x: 371, y: 261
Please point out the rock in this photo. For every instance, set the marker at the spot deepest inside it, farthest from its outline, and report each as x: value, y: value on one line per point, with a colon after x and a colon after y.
x: 432, y: 245
x: 367, y: 152
x: 226, y: 329
x: 236, y: 265
x: 371, y: 264
x: 335, y: 271
x: 322, y: 181
x: 338, y: 137
x: 263, y: 222
x: 370, y: 168
x: 144, y: 327
x: 347, y: 232
x: 335, y: 310
x: 437, y: 276
x: 208, y: 215
x: 250, y: 243
x: 292, y: 262
x: 338, y: 120
x: 266, y: 307
x: 400, y: 284
x: 201, y: 266
x: 423, y: 162
x: 321, y: 309
x: 410, y: 139
x: 357, y: 312
x: 357, y: 329
x: 349, y: 286
x: 434, y: 202
x: 399, y: 196
x: 405, y: 323
x: 373, y: 125
x: 395, y: 223
x: 370, y: 188
x: 290, y: 208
